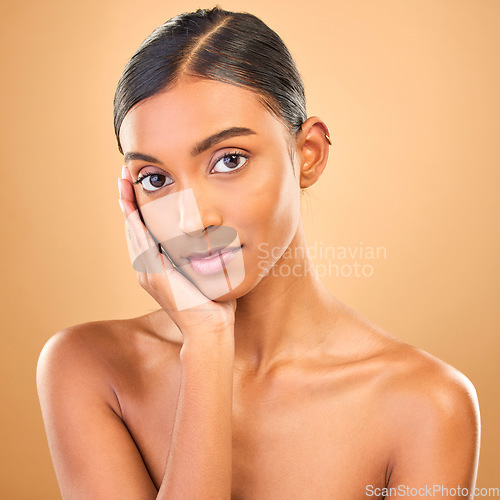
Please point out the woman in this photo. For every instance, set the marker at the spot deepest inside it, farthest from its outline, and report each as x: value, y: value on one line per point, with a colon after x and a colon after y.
x: 250, y: 381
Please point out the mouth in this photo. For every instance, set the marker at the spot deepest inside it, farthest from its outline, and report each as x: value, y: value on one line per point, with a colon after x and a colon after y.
x: 213, y: 260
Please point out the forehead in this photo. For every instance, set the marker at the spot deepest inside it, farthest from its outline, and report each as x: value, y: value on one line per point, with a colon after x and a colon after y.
x: 192, y: 110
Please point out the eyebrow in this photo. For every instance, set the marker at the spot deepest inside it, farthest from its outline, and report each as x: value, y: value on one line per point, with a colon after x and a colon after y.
x: 219, y: 137
x: 198, y: 148
x: 139, y: 156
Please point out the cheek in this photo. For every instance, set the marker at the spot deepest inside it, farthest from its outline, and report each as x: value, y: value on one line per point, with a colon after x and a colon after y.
x: 282, y: 200
x: 269, y: 209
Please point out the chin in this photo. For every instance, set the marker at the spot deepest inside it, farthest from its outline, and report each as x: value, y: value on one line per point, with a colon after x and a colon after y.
x: 228, y: 296
x: 245, y: 287
x: 225, y: 295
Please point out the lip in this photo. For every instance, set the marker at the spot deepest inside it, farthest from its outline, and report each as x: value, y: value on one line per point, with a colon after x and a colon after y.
x: 214, y: 261
x: 211, y: 252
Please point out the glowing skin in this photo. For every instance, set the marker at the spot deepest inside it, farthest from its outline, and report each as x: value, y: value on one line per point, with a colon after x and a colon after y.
x: 259, y: 197
x: 212, y: 260
x: 288, y: 398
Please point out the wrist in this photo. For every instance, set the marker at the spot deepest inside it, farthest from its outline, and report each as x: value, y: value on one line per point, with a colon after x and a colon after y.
x: 207, y: 362
x: 220, y: 340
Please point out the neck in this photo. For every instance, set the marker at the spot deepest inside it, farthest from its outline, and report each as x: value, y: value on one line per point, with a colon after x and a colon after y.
x: 274, y: 322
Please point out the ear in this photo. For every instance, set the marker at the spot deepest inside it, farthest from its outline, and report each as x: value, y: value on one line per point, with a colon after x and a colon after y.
x: 313, y: 143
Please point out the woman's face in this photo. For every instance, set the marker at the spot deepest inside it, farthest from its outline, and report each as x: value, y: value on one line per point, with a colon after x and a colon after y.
x: 216, y: 159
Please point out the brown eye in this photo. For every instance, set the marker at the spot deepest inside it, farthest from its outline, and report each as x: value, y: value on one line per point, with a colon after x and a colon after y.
x: 230, y: 162
x: 154, y: 181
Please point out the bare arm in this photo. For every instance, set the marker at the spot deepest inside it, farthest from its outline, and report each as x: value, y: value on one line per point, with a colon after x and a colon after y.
x: 200, y: 460
x: 93, y: 453
x: 438, y: 435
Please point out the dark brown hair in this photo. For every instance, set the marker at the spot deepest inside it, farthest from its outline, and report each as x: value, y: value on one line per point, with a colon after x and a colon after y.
x: 215, y: 44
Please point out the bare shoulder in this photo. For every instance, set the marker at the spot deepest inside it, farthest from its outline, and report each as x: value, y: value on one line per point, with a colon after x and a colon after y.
x: 421, y: 392
x: 85, y: 375
x: 99, y: 354
x: 424, y: 411
x: 117, y: 337
x: 422, y: 401
x: 417, y: 385
x: 405, y: 372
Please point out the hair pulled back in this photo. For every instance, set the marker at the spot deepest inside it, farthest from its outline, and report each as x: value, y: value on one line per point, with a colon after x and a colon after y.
x: 231, y: 47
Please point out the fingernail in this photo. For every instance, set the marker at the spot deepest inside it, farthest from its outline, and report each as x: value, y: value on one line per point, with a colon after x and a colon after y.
x: 119, y: 187
x: 121, y: 205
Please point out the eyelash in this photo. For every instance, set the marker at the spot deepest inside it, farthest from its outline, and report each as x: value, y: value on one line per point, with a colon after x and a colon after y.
x: 141, y: 177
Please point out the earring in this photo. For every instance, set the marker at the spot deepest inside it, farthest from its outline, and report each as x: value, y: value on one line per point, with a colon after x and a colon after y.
x: 328, y: 139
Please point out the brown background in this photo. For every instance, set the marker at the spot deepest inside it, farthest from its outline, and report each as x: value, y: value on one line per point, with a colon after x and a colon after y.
x: 410, y: 90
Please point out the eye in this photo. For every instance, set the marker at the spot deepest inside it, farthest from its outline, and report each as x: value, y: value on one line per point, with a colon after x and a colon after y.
x: 229, y: 162
x: 152, y: 181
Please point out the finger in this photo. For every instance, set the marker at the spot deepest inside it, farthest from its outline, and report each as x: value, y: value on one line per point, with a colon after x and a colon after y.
x: 143, y: 251
x: 127, y: 196
x: 177, y: 291
x: 146, y: 257
x: 127, y: 191
x: 142, y: 247
x: 185, y: 294
x: 126, y: 173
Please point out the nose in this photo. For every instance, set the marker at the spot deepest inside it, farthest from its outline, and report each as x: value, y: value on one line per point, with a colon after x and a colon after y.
x: 196, y: 212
